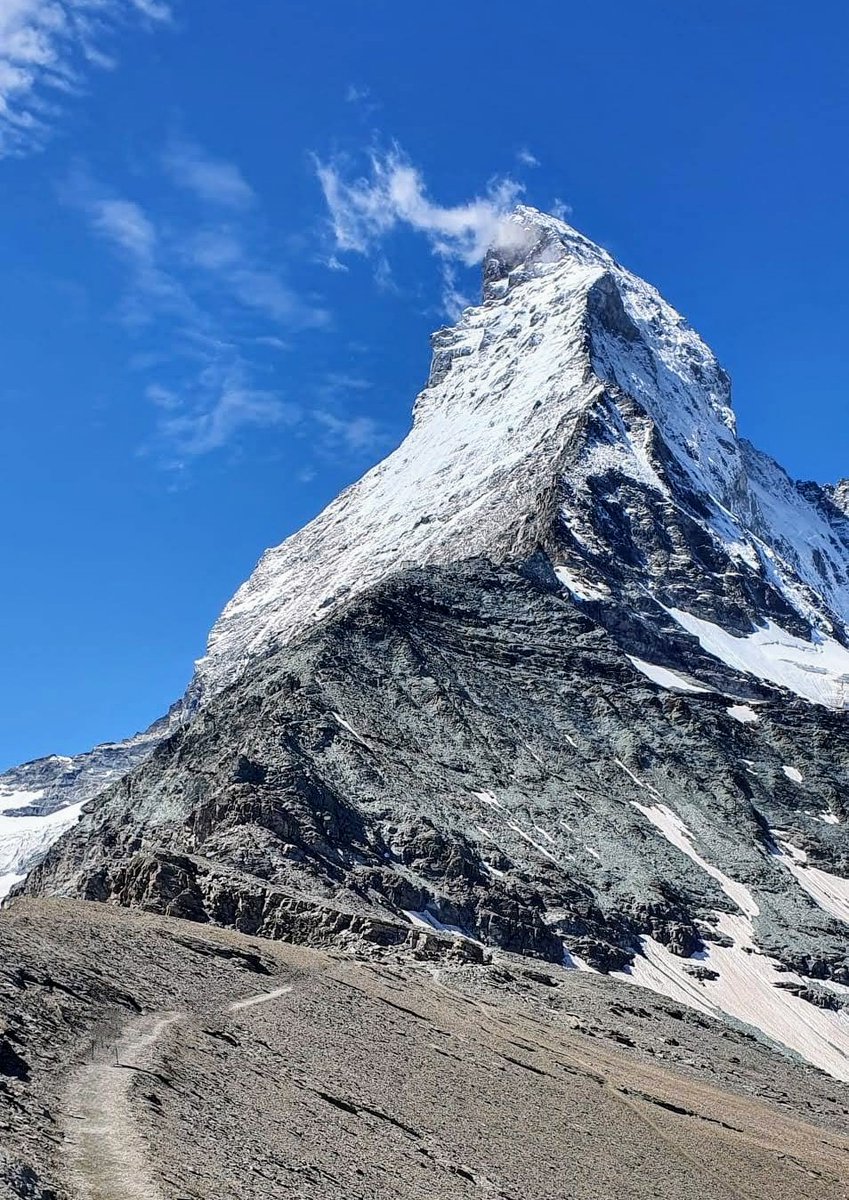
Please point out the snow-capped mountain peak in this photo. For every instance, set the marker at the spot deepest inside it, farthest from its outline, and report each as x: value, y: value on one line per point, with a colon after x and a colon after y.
x: 573, y: 730
x: 575, y: 411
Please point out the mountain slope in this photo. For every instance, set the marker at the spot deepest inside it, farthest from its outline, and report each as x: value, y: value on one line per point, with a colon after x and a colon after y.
x: 463, y: 748
x: 563, y: 675
x: 346, y: 1080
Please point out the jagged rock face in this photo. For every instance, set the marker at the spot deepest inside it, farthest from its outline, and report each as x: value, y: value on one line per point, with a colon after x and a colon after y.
x: 464, y: 742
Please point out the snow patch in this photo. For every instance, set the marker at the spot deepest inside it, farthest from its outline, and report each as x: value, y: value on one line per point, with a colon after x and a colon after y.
x: 793, y: 774
x: 574, y: 962
x: 676, y: 832
x: 743, y: 713
x: 746, y: 986
x: 489, y: 799
x: 646, y: 787
x: 533, y: 842
x: 24, y: 840
x: 666, y: 678
x: 340, y: 720
x: 831, y: 892
x: 11, y: 799
x: 747, y: 990
x: 7, y: 882
x: 426, y: 920
x: 817, y: 670
x: 580, y: 588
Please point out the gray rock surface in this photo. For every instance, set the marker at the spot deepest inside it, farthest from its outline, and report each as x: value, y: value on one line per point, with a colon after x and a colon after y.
x: 467, y: 741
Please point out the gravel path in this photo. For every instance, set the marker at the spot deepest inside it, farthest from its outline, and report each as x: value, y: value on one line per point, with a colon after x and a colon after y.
x: 108, y: 1158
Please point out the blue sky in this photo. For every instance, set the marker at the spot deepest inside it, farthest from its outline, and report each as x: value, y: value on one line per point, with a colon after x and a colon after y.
x: 195, y: 360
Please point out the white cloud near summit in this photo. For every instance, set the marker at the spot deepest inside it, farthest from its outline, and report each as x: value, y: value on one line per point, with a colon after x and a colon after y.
x: 363, y: 210
x: 47, y: 49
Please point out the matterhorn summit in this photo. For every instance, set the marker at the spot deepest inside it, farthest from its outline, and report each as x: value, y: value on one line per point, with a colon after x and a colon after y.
x: 564, y: 677
x: 575, y: 413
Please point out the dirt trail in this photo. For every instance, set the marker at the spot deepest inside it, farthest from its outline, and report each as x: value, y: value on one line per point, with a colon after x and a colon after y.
x: 107, y: 1156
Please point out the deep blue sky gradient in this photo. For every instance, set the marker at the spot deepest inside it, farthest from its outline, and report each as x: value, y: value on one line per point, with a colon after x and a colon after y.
x: 705, y: 145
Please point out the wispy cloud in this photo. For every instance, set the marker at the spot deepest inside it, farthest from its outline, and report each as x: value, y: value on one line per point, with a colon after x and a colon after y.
x: 362, y: 100
x: 344, y: 433
x: 47, y: 47
x: 365, y: 209
x: 153, y: 291
x: 223, y: 405
x: 125, y: 225
x: 355, y: 435
x: 211, y: 305
x: 212, y: 180
x: 224, y: 256
x: 526, y: 158
x: 453, y: 299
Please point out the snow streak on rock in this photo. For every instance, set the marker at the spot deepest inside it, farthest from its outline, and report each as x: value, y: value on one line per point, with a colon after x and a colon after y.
x: 733, y: 977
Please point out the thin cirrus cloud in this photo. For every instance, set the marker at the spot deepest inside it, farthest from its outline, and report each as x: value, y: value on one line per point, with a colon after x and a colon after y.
x: 526, y: 157
x: 342, y: 433
x: 47, y: 49
x: 359, y: 434
x: 225, y: 403
x: 203, y: 294
x: 363, y: 210
x: 213, y: 181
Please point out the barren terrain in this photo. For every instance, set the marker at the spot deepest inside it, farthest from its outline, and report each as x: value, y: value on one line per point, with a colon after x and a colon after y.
x: 145, y: 1058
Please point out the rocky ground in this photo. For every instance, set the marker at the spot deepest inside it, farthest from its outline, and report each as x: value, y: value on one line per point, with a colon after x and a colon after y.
x: 146, y: 1057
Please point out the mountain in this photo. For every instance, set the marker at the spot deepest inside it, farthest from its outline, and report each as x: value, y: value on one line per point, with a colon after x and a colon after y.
x: 41, y: 799
x: 575, y: 412
x: 564, y: 677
